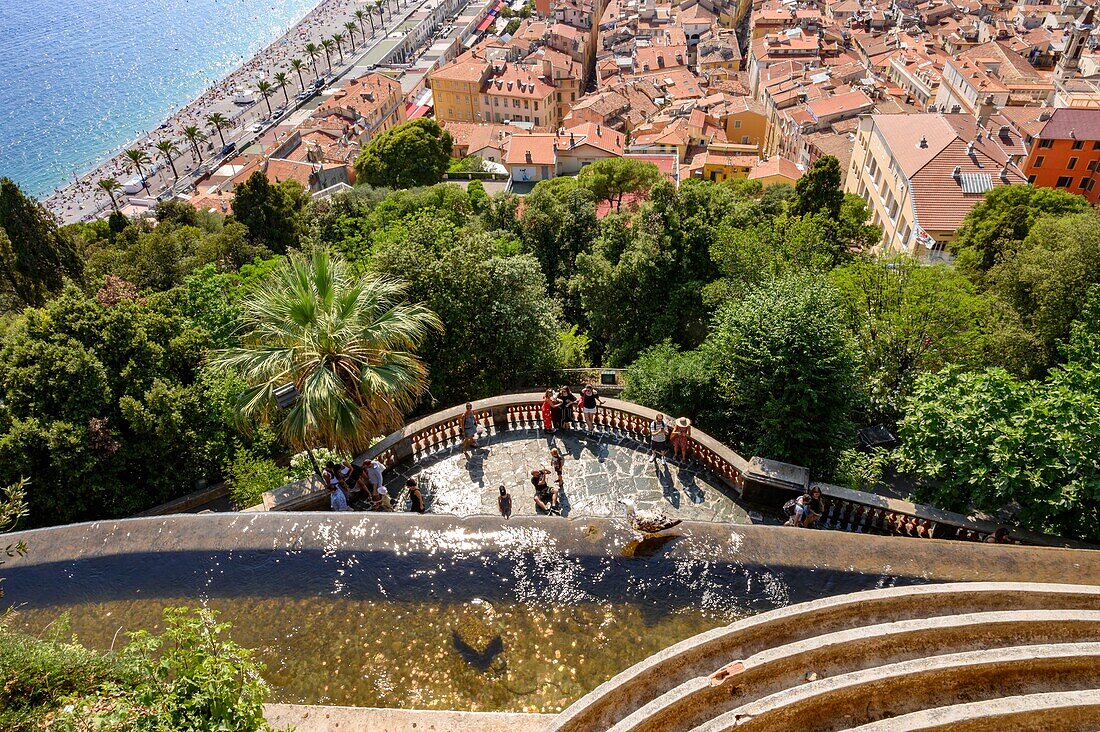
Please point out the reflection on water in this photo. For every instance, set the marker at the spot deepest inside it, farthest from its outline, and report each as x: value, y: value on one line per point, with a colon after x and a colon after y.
x: 474, y: 655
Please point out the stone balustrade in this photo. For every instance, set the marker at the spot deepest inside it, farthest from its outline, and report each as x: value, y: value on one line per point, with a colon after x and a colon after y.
x: 760, y: 482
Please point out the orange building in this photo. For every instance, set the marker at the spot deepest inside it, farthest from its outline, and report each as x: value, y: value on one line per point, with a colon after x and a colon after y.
x: 1066, y: 152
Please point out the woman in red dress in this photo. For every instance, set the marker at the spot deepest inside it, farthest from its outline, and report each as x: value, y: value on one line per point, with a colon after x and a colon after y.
x: 549, y: 401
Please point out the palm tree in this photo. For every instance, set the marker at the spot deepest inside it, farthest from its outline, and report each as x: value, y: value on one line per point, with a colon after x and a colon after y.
x: 138, y: 160
x: 111, y: 187
x: 194, y: 135
x: 297, y: 64
x: 338, y: 39
x: 350, y: 27
x: 168, y: 149
x: 345, y: 341
x: 381, y: 15
x: 281, y: 82
x: 263, y: 86
x: 359, y: 14
x: 327, y: 46
x: 219, y: 122
x: 312, y: 50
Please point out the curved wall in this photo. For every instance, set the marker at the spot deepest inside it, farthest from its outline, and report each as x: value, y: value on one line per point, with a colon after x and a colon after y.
x: 776, y: 549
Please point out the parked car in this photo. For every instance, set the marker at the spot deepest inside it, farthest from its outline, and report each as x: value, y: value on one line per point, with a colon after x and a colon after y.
x: 229, y: 147
x: 258, y: 127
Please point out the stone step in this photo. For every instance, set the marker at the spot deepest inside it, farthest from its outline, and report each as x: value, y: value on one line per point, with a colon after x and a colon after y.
x: 1061, y: 711
x: 883, y: 692
x: 831, y: 654
x: 700, y: 655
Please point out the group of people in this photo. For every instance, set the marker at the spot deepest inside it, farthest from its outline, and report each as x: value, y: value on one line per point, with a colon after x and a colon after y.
x: 559, y: 407
x: 345, y: 479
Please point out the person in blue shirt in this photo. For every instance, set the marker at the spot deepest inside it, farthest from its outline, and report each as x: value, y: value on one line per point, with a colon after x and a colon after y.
x: 337, y: 501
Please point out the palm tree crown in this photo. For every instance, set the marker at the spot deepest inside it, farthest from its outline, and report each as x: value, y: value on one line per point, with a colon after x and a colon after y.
x: 350, y: 27
x: 347, y: 343
x: 281, y: 81
x: 110, y: 186
x: 219, y: 122
x: 326, y: 45
x: 297, y: 65
x: 168, y: 148
x: 194, y: 135
x: 138, y: 160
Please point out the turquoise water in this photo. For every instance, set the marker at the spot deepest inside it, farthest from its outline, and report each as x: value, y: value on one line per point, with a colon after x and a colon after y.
x: 80, y: 78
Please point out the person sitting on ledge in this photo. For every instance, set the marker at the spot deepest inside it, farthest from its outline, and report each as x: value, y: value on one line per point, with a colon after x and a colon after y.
x: 337, y: 501
x: 383, y: 503
x: 546, y: 498
x: 807, y: 509
x: 1000, y: 536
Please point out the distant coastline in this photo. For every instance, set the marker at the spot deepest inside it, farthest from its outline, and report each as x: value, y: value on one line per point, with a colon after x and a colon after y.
x: 73, y: 201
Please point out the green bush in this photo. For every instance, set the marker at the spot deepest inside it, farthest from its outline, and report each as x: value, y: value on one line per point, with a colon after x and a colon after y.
x: 251, y: 475
x: 38, y: 676
x: 190, y: 678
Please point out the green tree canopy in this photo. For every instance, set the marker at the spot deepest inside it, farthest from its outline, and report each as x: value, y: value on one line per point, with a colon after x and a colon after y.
x: 819, y: 190
x: 500, y: 326
x: 411, y: 154
x: 908, y: 319
x: 788, y: 371
x: 612, y: 178
x: 1046, y: 280
x: 345, y: 341
x: 102, y: 401
x: 273, y: 213
x: 1003, y: 218
x: 35, y: 257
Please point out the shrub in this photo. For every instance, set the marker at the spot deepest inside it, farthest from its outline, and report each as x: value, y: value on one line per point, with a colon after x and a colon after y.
x: 301, y: 467
x: 251, y: 475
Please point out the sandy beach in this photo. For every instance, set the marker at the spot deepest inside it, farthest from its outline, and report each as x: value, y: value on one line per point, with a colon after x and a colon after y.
x: 83, y: 199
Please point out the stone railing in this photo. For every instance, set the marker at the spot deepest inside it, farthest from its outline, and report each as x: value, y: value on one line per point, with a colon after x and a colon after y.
x: 767, y: 484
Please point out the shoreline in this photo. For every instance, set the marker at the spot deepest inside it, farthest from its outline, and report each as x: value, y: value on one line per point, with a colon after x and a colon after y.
x: 80, y: 200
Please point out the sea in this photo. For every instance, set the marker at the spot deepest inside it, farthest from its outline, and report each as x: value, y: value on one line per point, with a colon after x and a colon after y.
x: 81, y: 78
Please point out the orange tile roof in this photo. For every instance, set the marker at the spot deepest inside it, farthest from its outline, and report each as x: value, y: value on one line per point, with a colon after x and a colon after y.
x: 541, y: 146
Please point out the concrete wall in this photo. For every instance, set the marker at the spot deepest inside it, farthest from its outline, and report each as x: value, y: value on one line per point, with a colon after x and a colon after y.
x: 307, y: 718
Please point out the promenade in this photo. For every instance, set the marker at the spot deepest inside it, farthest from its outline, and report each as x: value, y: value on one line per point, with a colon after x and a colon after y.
x: 83, y: 200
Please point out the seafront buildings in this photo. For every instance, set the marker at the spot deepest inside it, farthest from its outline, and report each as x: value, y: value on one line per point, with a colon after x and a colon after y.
x: 926, y: 104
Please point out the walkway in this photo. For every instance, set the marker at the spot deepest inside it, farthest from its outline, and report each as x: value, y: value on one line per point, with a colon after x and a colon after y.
x: 600, y: 469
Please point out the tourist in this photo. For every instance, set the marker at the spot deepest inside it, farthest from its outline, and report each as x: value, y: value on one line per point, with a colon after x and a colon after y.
x: 658, y: 439
x: 1000, y: 536
x: 568, y: 401
x: 374, y: 477
x: 331, y: 476
x: 557, y: 462
x: 546, y: 497
x: 806, y: 509
x: 337, y: 501
x: 416, y: 499
x: 469, y: 430
x: 590, y: 399
x: 504, y: 503
x: 549, y: 402
x: 681, y: 439
x: 383, y: 503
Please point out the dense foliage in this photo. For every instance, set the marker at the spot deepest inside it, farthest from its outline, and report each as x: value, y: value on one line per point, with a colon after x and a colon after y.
x: 415, y: 153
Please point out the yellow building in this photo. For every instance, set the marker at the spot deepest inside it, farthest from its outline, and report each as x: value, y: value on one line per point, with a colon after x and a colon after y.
x: 745, y: 122
x: 473, y: 88
x: 717, y: 165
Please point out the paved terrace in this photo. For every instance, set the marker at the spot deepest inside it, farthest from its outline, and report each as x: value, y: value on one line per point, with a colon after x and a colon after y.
x: 601, y: 467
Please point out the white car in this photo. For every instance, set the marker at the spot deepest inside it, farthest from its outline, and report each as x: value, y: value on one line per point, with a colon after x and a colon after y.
x: 256, y: 127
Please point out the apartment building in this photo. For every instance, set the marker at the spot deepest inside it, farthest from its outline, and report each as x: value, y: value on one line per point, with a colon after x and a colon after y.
x: 1065, y: 152
x: 921, y: 173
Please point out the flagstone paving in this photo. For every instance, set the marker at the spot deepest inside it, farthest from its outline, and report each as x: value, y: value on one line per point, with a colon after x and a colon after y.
x: 601, y: 468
